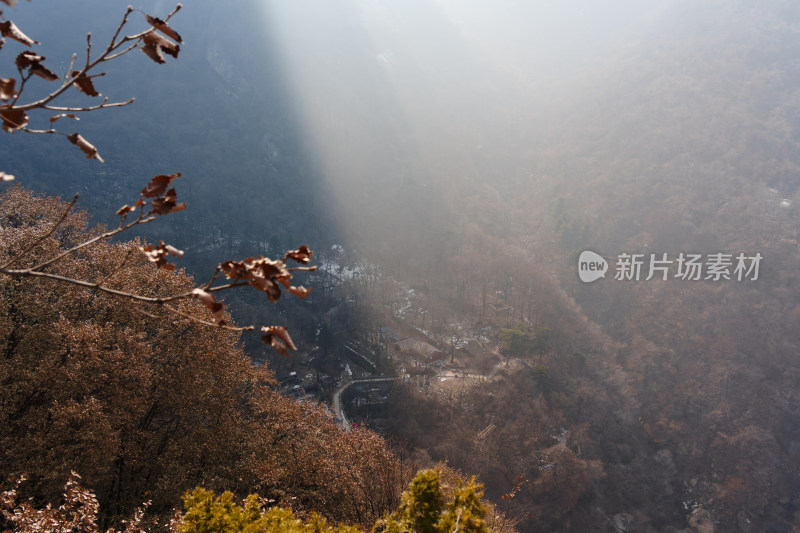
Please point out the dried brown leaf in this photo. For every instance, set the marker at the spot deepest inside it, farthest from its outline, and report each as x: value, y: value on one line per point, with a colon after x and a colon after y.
x: 43, y: 72
x: 62, y: 115
x: 9, y: 29
x: 203, y: 296
x: 301, y: 255
x: 26, y: 59
x: 125, y: 209
x: 268, y: 286
x: 218, y: 312
x: 85, y: 146
x: 171, y: 250
x: 155, y: 46
x: 158, y: 185
x: 7, y: 86
x: 300, y: 291
x: 216, y: 308
x: 278, y: 337
x: 12, y: 3
x: 168, y: 203
x: 163, y: 27
x: 166, y: 45
x: 154, y: 53
x: 84, y: 84
x: 158, y: 254
x: 13, y: 119
x: 33, y: 62
x: 261, y: 273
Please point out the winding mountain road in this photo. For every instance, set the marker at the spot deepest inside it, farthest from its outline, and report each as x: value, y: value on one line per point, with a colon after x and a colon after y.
x: 337, y: 397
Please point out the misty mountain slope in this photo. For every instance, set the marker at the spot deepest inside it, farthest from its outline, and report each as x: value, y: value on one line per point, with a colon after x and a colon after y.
x: 685, y: 142
x: 702, y: 120
x: 690, y: 145
x: 682, y: 142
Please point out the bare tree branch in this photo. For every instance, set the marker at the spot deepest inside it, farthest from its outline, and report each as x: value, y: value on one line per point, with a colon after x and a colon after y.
x: 120, y: 44
x: 263, y: 274
x: 203, y: 322
x: 102, y: 105
x: 141, y: 219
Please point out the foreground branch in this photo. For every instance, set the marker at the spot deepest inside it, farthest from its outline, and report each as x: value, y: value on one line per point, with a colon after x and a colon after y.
x: 157, y: 40
x: 158, y: 198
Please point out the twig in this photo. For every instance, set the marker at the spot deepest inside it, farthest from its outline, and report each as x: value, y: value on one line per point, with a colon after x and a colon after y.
x: 49, y: 275
x: 161, y: 300
x: 226, y: 287
x: 213, y: 277
x: 102, y: 105
x: 177, y: 8
x: 111, y: 52
x: 212, y: 324
x: 68, y: 74
x: 88, y: 47
x: 123, y: 52
x: 51, y: 130
x: 139, y: 220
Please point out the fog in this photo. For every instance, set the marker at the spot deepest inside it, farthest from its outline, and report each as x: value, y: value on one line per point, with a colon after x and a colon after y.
x: 397, y: 101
